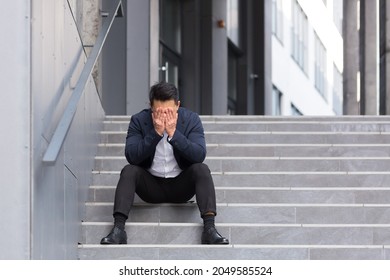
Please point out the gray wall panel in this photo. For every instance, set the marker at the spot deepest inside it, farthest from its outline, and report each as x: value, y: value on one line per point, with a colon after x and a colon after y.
x: 41, y: 210
x: 15, y: 129
x: 59, y: 190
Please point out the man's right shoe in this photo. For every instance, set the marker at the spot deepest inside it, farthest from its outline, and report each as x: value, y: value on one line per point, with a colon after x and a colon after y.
x: 116, y: 236
x: 211, y: 236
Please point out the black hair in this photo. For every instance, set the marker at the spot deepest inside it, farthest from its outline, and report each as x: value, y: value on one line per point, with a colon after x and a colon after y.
x: 163, y: 91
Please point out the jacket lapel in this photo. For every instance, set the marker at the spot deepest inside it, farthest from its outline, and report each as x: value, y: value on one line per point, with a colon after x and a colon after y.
x: 180, y: 126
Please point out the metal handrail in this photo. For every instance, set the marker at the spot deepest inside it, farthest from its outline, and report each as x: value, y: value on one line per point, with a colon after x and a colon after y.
x: 63, y: 126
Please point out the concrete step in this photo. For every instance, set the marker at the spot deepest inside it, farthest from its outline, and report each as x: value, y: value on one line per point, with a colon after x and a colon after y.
x: 218, y: 137
x: 276, y: 150
x: 286, y: 187
x: 264, y: 164
x: 275, y: 195
x: 279, y: 179
x: 233, y: 252
x: 250, y: 137
x: 303, y: 179
x: 270, y: 126
x: 292, y: 119
x: 249, y: 213
x: 238, y: 234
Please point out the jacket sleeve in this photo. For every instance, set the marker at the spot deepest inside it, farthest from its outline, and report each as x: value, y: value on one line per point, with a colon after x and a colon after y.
x: 193, y: 146
x: 140, y: 145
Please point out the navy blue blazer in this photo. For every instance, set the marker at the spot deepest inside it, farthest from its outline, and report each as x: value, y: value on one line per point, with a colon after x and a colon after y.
x: 189, y: 145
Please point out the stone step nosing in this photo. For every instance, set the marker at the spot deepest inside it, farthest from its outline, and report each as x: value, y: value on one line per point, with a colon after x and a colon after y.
x: 208, y: 132
x: 154, y: 246
x: 260, y: 225
x: 97, y: 187
x: 117, y: 172
x: 252, y: 205
x: 330, y: 246
x: 294, y: 145
x: 278, y: 118
x: 115, y: 132
x: 319, y: 122
x: 302, y: 173
x: 254, y: 145
x: 232, y: 246
x: 279, y: 158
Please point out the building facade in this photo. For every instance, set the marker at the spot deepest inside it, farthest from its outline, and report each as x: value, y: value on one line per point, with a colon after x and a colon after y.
x: 230, y: 57
x: 307, y: 57
x: 216, y: 52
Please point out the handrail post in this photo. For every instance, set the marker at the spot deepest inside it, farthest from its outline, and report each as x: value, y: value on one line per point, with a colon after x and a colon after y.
x: 63, y: 126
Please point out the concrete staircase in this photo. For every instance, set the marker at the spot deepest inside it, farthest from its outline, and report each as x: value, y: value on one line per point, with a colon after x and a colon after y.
x: 287, y: 188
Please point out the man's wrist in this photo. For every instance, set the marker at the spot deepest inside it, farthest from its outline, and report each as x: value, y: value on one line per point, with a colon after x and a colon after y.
x: 160, y: 134
x: 170, y: 134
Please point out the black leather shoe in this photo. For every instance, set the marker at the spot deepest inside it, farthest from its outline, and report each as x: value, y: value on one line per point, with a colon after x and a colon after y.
x: 211, y: 236
x: 116, y: 236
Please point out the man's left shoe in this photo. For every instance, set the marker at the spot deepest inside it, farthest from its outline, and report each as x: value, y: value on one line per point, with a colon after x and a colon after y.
x: 211, y: 236
x: 116, y: 236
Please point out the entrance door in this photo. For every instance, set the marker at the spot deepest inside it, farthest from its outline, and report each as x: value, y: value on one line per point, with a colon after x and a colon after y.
x: 169, y: 66
x: 170, y: 41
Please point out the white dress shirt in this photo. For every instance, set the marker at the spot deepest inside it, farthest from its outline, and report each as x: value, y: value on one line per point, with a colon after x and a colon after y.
x: 164, y: 163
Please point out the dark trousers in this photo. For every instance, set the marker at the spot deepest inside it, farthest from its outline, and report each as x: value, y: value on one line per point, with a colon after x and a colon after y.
x: 195, y: 180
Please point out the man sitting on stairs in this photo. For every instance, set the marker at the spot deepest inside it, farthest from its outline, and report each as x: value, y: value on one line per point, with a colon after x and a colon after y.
x: 165, y: 146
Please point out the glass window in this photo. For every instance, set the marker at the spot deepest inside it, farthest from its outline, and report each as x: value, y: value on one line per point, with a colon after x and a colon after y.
x: 337, y: 91
x: 295, y: 111
x: 277, y: 19
x: 299, y: 36
x: 232, y: 22
x: 320, y: 79
x: 276, y: 102
x: 170, y: 23
x: 170, y: 41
